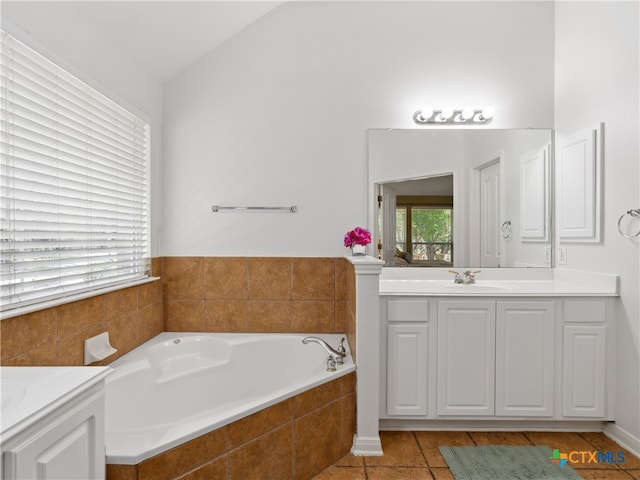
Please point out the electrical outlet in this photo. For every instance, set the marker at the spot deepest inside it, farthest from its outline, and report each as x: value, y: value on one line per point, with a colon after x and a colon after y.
x: 562, y: 256
x: 547, y: 255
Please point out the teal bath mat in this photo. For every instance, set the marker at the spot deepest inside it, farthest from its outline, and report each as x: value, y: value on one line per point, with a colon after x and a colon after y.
x: 496, y: 462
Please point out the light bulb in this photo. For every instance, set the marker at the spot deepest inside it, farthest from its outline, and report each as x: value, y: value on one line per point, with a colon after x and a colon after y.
x: 425, y: 114
x: 466, y: 114
x: 446, y: 113
x: 487, y: 113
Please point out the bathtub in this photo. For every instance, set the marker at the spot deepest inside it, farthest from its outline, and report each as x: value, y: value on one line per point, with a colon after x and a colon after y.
x: 179, y: 386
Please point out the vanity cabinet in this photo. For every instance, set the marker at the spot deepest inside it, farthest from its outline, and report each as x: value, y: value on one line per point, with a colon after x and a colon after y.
x: 584, y: 360
x: 496, y: 358
x: 407, y: 365
x: 57, y: 430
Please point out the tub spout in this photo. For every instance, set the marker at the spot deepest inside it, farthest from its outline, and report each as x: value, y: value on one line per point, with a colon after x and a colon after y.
x: 337, y: 354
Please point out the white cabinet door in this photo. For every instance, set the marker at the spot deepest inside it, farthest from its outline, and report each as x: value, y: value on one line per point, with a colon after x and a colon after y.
x: 466, y: 358
x: 583, y: 370
x: 524, y: 358
x: 70, y: 447
x: 407, y: 369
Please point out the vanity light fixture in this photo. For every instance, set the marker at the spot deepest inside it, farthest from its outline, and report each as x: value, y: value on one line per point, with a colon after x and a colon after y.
x: 449, y: 115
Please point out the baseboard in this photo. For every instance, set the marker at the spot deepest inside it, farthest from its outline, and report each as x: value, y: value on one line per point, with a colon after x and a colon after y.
x: 367, y: 446
x: 623, y: 438
x: 491, y: 425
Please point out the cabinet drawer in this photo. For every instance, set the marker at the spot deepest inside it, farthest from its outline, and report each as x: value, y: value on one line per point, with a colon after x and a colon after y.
x: 408, y: 311
x: 584, y: 311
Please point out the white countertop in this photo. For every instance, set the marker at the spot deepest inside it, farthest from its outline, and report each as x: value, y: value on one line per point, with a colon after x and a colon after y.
x: 499, y: 283
x: 30, y: 393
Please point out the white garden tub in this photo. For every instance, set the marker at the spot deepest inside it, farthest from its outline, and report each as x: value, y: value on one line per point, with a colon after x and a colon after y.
x: 178, y: 386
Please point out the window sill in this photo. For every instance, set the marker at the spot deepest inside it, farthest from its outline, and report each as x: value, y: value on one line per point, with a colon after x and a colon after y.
x: 16, y: 312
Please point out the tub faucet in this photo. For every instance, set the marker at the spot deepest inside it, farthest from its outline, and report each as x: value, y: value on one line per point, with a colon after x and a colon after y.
x: 336, y: 354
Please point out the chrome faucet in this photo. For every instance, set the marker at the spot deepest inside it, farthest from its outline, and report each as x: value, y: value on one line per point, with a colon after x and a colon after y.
x: 335, y: 354
x: 465, y: 277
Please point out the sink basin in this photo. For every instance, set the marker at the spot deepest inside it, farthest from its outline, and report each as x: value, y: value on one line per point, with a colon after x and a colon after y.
x: 12, y: 393
x: 478, y: 287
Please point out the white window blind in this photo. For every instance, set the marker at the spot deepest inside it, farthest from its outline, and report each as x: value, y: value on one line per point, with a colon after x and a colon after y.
x: 74, y: 184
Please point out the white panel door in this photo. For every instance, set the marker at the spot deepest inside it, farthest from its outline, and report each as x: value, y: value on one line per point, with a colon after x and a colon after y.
x: 578, y: 191
x: 524, y: 358
x: 490, y: 238
x: 407, y: 369
x: 466, y: 358
x: 583, y: 370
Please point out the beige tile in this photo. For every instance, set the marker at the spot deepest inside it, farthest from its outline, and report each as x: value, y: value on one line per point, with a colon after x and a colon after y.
x: 269, y: 316
x: 226, y: 278
x: 313, y: 316
x: 315, y: 444
x: 400, y: 450
x: 341, y: 473
x: 604, y: 444
x: 215, y: 470
x: 313, y: 278
x: 342, y: 316
x: 317, y: 397
x: 568, y: 442
x: 27, y: 332
x: 430, y: 441
x: 398, y: 473
x: 78, y: 316
x: 122, y: 472
x: 183, y: 278
x: 600, y: 474
x: 269, y: 278
x: 184, y: 315
x: 45, y: 356
x: 563, y: 441
x: 350, y: 460
x: 348, y: 421
x: 71, y: 348
x: 156, y: 267
x: 265, y: 458
x: 341, y: 278
x: 120, y: 302
x: 151, y: 321
x: 149, y: 293
x: 442, y: 474
x: 347, y: 383
x: 124, y: 332
x: 259, y: 423
x: 226, y: 316
x: 184, y: 458
x: 499, y: 438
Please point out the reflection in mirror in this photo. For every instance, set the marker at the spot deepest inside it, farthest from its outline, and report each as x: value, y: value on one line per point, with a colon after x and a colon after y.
x: 461, y: 198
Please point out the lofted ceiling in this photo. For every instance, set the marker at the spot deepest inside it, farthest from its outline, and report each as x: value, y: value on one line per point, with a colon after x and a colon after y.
x: 165, y: 37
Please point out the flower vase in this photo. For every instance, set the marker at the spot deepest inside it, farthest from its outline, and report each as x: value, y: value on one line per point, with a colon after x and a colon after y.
x: 358, y: 250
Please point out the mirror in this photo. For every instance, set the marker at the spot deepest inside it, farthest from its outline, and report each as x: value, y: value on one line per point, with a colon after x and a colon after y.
x: 461, y: 197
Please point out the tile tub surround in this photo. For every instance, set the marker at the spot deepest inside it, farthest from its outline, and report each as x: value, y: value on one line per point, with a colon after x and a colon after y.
x: 211, y: 294
x: 255, y: 294
x: 55, y: 336
x: 294, y: 439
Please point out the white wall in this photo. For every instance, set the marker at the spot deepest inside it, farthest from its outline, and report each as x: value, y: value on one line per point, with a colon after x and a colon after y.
x: 62, y: 33
x: 598, y: 80
x: 279, y: 114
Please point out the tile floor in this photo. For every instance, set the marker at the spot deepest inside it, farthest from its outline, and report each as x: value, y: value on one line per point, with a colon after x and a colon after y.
x: 415, y: 455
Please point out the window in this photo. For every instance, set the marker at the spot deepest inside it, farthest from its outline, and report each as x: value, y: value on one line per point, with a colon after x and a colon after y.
x: 74, y: 180
x: 429, y: 221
